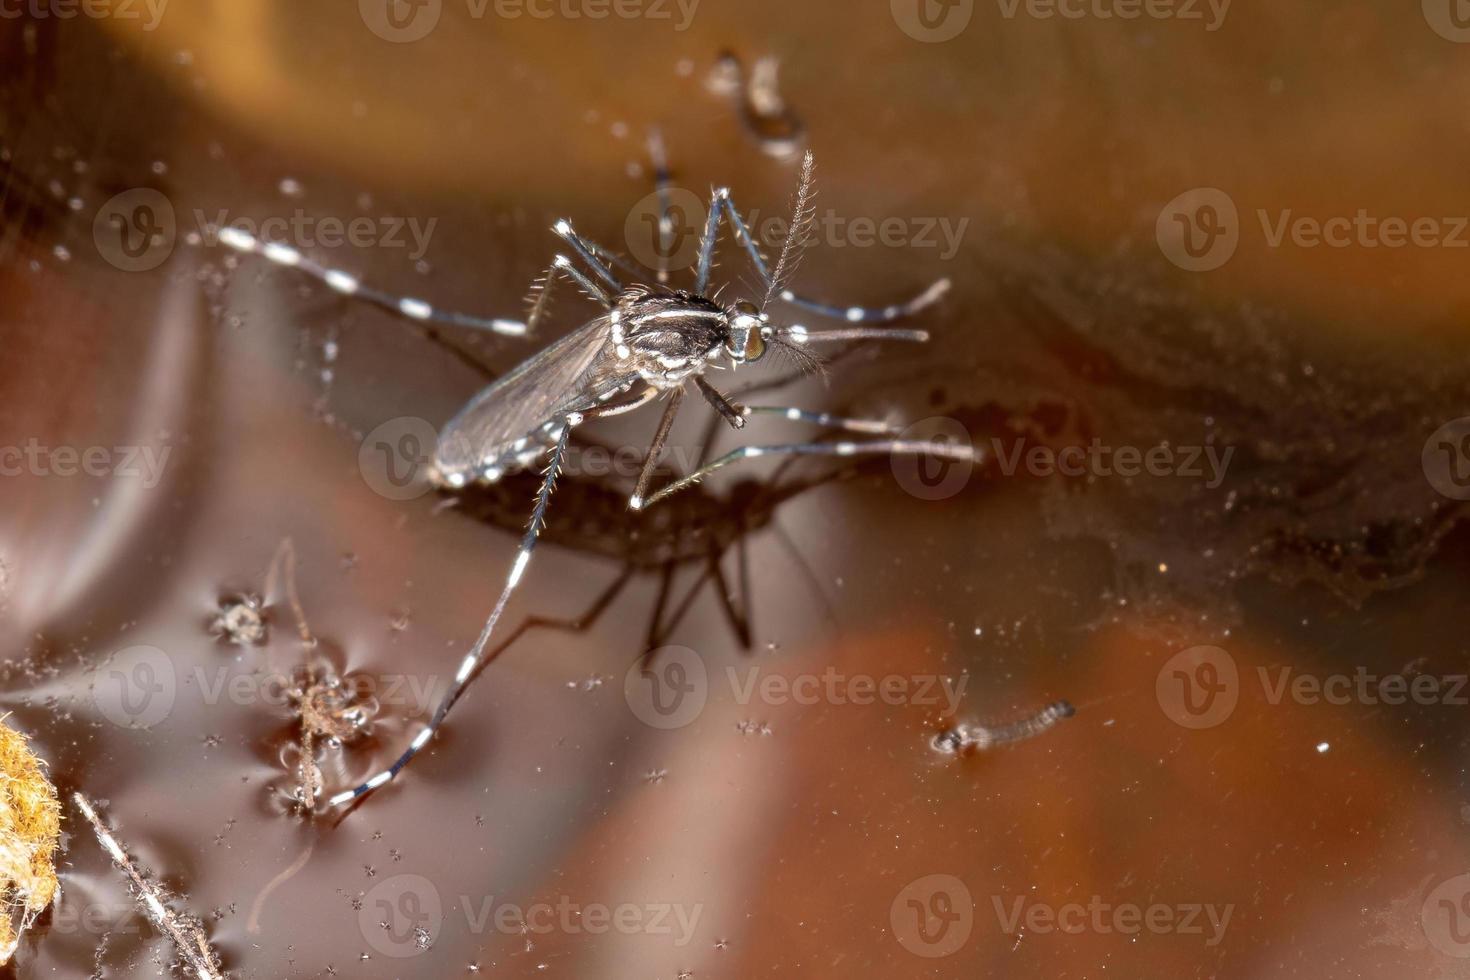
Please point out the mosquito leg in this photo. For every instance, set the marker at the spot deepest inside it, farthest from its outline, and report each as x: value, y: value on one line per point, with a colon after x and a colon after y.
x: 852, y: 314
x: 707, y: 241
x: 903, y: 447
x: 661, y: 181
x: 657, y: 632
x: 765, y: 384
x: 737, y: 610
x: 612, y: 259
x: 350, y: 285
x: 584, y: 620
x: 461, y: 354
x: 735, y: 415
x: 561, y: 265
x: 800, y: 335
x: 588, y: 253
x: 474, y: 659
x: 655, y: 449
x: 871, y: 427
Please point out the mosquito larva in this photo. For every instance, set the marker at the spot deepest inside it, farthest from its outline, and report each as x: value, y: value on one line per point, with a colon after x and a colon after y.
x: 981, y: 737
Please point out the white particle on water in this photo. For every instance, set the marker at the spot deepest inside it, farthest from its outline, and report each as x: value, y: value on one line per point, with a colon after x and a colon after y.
x: 240, y: 621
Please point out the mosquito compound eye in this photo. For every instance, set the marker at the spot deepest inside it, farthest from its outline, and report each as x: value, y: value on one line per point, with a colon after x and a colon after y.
x: 755, y: 346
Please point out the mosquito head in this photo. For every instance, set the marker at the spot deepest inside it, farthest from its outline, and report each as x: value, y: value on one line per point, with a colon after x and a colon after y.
x: 749, y: 331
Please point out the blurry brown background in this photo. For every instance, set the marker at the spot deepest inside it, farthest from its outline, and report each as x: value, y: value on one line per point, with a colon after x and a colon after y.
x: 1325, y: 829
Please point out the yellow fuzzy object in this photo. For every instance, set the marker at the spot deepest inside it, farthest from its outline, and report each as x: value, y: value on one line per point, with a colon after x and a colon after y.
x: 30, y: 826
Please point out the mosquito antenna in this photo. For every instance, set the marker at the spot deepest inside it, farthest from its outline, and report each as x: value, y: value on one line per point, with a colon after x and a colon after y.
x: 796, y: 238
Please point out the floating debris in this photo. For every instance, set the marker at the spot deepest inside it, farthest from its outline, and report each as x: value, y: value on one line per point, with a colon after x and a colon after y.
x: 240, y: 620
x: 30, y: 826
x: 186, y: 931
x: 331, y: 711
x: 770, y: 121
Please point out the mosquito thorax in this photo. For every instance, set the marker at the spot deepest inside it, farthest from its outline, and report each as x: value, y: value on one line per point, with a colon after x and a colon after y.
x: 668, y: 337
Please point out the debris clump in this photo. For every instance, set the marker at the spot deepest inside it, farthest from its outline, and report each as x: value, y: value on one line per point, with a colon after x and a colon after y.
x: 30, y: 826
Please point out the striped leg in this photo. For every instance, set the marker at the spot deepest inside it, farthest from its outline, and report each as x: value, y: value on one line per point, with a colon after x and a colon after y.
x: 661, y: 183
x: 877, y: 447
x: 591, y: 253
x: 562, y: 265
x: 475, y: 657
x: 870, y: 426
x: 349, y: 285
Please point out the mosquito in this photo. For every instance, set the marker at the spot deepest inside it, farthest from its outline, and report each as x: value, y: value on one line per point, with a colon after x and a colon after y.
x: 650, y: 342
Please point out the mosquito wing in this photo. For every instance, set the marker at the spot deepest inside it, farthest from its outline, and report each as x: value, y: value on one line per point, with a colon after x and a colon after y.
x: 501, y: 421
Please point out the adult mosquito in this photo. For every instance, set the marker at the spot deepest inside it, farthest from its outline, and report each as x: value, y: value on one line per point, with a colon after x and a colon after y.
x: 649, y: 342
